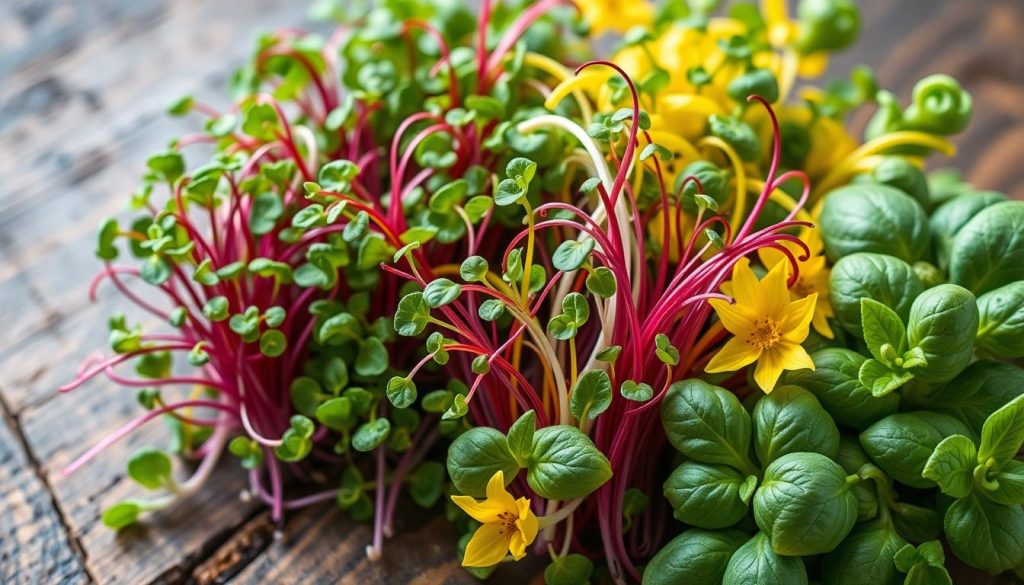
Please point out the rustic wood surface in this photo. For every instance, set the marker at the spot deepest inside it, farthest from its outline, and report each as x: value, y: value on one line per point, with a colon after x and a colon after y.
x: 83, y: 84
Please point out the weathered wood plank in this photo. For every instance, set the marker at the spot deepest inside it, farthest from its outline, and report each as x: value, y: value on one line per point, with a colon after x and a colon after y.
x: 976, y: 42
x: 80, y: 109
x: 322, y: 545
x: 33, y: 545
x: 168, y: 542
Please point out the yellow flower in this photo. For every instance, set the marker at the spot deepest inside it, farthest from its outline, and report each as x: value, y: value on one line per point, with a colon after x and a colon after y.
x: 813, y: 277
x: 616, y: 15
x: 508, y: 525
x: 768, y: 326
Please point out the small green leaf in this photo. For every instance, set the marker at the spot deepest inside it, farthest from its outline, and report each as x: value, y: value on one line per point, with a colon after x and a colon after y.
x: 370, y: 435
x: 216, y: 309
x: 458, y: 409
x: 520, y: 435
x: 601, y: 282
x: 881, y: 325
x: 401, y: 392
x: 412, y: 315
x: 151, y: 468
x: 337, y: 175
x: 446, y: 198
x: 273, y: 343
x: 336, y: 414
x: 491, y: 309
x: 304, y: 393
x: 372, y: 358
x: 426, y: 483
x: 473, y: 269
x: 637, y: 392
x: 573, y: 569
x: 274, y: 316
x: 441, y: 292
x: 952, y: 465
x: 155, y: 270
x: 109, y: 230
x: 181, y: 106
x: 591, y: 395
x: 571, y: 254
x: 1003, y: 433
x: 121, y: 514
x: 881, y: 379
x: 168, y: 165
x: 665, y: 351
x: 565, y: 464
x: 609, y: 354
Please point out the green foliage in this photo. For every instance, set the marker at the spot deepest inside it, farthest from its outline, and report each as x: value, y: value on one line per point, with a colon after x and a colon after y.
x: 757, y: 563
x: 988, y: 252
x: 868, y: 217
x: 943, y: 323
x: 879, y: 277
x: 151, y: 468
x: 695, y: 557
x: 565, y: 464
x: 805, y: 505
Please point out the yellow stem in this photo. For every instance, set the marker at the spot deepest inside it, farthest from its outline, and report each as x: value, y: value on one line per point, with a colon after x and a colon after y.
x: 740, y: 205
x: 849, y: 165
x: 524, y: 288
x: 556, y: 70
x: 781, y: 197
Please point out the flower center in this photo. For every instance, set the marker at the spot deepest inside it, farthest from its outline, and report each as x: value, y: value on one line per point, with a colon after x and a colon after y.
x: 508, y: 522
x: 765, y: 334
x: 802, y: 288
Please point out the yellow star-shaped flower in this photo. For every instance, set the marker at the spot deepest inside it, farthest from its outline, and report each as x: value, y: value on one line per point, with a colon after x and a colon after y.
x: 812, y: 277
x: 508, y: 525
x: 616, y: 15
x: 768, y: 326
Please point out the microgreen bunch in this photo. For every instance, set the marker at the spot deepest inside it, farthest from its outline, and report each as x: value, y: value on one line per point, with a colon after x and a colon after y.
x: 337, y: 155
x: 621, y: 326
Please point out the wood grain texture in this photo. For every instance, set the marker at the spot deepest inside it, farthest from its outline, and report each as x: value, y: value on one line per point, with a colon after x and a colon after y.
x: 84, y: 87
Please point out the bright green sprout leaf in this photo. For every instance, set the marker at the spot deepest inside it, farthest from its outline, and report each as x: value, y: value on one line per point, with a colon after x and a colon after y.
x: 273, y: 343
x: 571, y: 254
x: 121, y: 514
x: 181, y: 106
x: 441, y: 292
x: 473, y: 269
x: 637, y: 392
x: 601, y: 282
x: 412, y: 315
x: 151, y: 468
x: 591, y: 395
x: 609, y: 354
x: 370, y: 435
x: 216, y: 309
x: 401, y: 392
x: 458, y: 409
x: 372, y: 358
x: 491, y: 310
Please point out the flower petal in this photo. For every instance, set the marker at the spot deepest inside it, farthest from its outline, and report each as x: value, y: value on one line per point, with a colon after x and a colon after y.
x: 517, y: 546
x: 796, y: 320
x: 487, y: 547
x: 784, y: 356
x: 744, y: 283
x: 772, y: 295
x: 497, y: 495
x: 820, y: 323
x: 738, y: 319
x: 485, y: 511
x: 769, y: 368
x: 527, y: 522
x: 735, y: 354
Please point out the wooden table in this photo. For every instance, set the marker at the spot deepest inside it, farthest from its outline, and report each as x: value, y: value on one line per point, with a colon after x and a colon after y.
x: 82, y: 88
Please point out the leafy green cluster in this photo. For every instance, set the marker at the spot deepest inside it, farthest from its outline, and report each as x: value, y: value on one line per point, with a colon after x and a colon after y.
x: 909, y: 427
